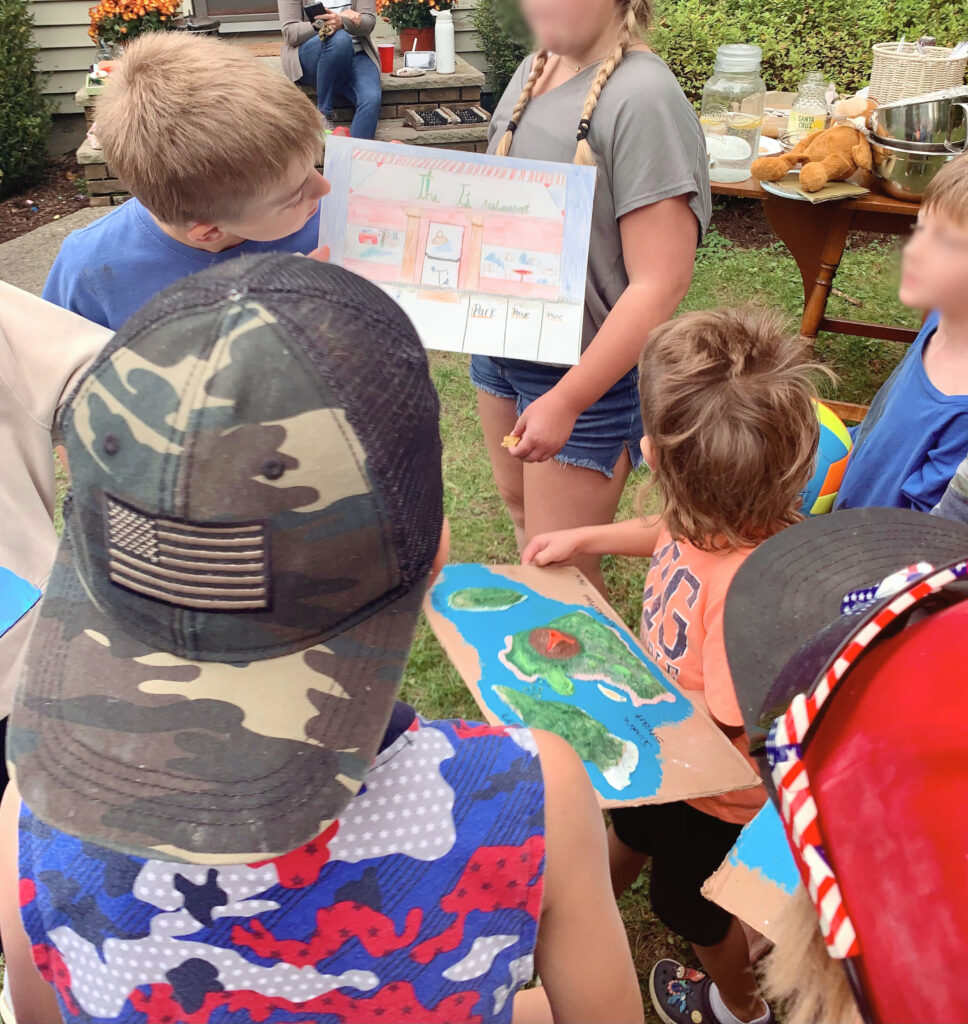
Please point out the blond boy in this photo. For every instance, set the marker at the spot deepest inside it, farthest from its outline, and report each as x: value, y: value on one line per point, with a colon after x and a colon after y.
x: 909, y: 446
x: 219, y: 153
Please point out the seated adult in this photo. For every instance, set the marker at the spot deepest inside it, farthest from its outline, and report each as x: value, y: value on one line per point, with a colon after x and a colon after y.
x: 334, y: 53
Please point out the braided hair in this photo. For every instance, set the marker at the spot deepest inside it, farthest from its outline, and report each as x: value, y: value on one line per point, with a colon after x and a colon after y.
x: 638, y: 13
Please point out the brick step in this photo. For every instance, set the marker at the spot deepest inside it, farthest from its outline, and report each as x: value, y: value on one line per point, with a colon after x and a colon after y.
x: 397, y: 104
x: 472, y: 137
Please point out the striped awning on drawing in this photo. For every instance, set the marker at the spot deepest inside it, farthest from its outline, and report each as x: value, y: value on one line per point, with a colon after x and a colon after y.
x: 449, y: 165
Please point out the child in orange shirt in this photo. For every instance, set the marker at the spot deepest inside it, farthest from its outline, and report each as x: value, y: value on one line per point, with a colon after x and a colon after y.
x: 730, y: 437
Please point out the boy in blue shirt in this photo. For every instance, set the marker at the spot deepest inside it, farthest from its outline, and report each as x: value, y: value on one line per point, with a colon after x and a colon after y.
x: 218, y: 151
x: 909, y: 445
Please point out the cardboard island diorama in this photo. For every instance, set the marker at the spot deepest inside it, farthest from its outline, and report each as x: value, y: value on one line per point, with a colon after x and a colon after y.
x: 486, y: 255
x: 542, y: 647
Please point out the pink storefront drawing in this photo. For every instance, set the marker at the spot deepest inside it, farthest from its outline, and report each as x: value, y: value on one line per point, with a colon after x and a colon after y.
x: 487, y: 255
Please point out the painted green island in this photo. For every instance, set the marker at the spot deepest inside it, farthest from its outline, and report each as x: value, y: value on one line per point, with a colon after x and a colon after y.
x: 615, y: 758
x: 485, y: 599
x: 577, y: 646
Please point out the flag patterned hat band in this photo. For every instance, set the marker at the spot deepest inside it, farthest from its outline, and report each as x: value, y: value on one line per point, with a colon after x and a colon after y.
x: 256, y: 504
x: 791, y: 731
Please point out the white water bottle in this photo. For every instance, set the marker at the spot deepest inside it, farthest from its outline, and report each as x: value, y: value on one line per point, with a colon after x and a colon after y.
x: 444, y: 42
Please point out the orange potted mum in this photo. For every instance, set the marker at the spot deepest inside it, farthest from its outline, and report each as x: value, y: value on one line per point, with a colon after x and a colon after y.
x: 114, y: 22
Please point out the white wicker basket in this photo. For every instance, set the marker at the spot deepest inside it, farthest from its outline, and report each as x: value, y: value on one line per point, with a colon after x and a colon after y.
x: 902, y: 72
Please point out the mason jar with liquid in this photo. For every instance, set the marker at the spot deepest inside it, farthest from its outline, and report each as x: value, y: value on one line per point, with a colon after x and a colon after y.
x: 731, y: 112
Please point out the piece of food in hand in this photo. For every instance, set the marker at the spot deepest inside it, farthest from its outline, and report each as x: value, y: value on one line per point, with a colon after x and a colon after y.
x: 510, y: 441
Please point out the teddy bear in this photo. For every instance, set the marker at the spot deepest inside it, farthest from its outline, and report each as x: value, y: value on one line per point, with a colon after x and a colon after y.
x: 832, y: 154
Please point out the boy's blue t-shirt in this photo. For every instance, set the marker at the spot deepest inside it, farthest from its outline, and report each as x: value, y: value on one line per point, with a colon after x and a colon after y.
x: 111, y: 268
x: 909, y: 445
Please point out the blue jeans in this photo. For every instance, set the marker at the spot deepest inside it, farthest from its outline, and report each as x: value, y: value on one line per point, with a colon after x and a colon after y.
x: 602, y: 431
x: 334, y: 68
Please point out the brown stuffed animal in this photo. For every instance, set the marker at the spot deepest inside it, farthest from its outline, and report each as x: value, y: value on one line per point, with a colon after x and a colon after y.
x: 833, y: 154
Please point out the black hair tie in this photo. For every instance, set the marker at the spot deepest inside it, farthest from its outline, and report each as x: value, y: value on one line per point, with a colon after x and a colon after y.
x: 512, y: 126
x: 584, y: 127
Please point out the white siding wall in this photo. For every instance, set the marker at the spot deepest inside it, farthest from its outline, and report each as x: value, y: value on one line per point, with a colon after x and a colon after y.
x: 466, y: 39
x: 60, y: 27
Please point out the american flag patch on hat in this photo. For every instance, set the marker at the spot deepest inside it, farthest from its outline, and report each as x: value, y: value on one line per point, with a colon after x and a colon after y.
x: 190, y: 565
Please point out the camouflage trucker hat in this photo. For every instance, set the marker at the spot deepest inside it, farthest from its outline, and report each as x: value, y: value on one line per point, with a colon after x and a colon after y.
x: 256, y: 505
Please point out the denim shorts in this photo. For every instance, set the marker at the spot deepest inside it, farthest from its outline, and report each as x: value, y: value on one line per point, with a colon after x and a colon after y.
x: 601, y: 432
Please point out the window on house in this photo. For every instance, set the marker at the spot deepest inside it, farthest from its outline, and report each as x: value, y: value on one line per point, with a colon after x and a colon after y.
x: 236, y: 10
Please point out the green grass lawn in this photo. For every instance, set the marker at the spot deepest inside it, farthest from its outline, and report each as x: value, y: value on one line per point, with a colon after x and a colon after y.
x: 481, y: 531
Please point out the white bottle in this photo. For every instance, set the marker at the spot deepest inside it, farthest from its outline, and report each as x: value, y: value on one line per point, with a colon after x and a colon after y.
x: 444, y: 42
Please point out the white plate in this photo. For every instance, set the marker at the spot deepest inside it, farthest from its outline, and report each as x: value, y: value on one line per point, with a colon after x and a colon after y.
x: 769, y: 147
x: 770, y: 186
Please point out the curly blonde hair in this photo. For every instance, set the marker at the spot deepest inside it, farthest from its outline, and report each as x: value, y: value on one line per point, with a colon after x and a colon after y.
x: 636, y: 20
x: 728, y: 404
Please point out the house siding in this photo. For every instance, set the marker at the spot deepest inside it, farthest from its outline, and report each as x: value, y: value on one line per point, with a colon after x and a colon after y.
x: 60, y: 28
x: 465, y: 38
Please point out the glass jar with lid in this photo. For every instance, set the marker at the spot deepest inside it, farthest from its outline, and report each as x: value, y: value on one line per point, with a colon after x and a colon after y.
x: 731, y: 113
x: 809, y: 111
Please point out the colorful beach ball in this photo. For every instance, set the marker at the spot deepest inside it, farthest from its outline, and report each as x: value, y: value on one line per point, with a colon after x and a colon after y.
x: 833, y: 450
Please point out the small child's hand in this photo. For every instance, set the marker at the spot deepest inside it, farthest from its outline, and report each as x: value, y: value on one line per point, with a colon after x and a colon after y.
x: 552, y: 548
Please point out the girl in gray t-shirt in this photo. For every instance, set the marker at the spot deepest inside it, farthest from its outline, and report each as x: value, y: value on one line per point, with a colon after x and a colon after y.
x: 580, y: 427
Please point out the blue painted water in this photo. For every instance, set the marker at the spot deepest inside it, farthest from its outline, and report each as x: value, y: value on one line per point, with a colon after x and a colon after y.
x: 762, y: 846
x: 17, y: 597
x: 488, y: 632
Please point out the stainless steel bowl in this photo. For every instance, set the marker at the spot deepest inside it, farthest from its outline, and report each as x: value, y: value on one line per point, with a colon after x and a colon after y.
x: 933, y: 122
x: 903, y: 173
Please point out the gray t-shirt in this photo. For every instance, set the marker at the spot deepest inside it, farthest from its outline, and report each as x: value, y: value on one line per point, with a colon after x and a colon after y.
x: 647, y: 142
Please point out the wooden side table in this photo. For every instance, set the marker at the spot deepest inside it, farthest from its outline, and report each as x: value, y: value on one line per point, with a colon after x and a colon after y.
x: 816, y: 235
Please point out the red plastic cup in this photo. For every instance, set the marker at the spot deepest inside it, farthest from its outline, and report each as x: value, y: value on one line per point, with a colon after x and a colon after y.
x: 386, y: 57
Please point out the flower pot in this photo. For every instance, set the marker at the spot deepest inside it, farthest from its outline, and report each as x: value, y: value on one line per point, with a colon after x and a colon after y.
x: 423, y: 36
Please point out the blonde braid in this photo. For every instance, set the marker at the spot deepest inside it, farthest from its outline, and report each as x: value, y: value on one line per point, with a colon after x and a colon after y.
x: 637, y: 14
x: 537, y: 67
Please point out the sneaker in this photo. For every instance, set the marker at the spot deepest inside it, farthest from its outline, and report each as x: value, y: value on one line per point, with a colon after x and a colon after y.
x: 327, y: 124
x: 680, y: 995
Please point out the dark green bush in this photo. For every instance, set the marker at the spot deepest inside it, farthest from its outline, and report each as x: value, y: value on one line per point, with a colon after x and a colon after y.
x: 504, y: 39
x: 833, y: 36
x: 24, y: 112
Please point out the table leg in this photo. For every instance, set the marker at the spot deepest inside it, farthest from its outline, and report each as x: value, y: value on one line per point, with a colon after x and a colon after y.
x: 803, y: 230
x: 816, y: 237
x: 830, y: 257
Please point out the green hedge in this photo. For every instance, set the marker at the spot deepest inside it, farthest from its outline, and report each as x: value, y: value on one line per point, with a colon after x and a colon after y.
x: 834, y: 36
x: 24, y: 112
x: 504, y: 39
